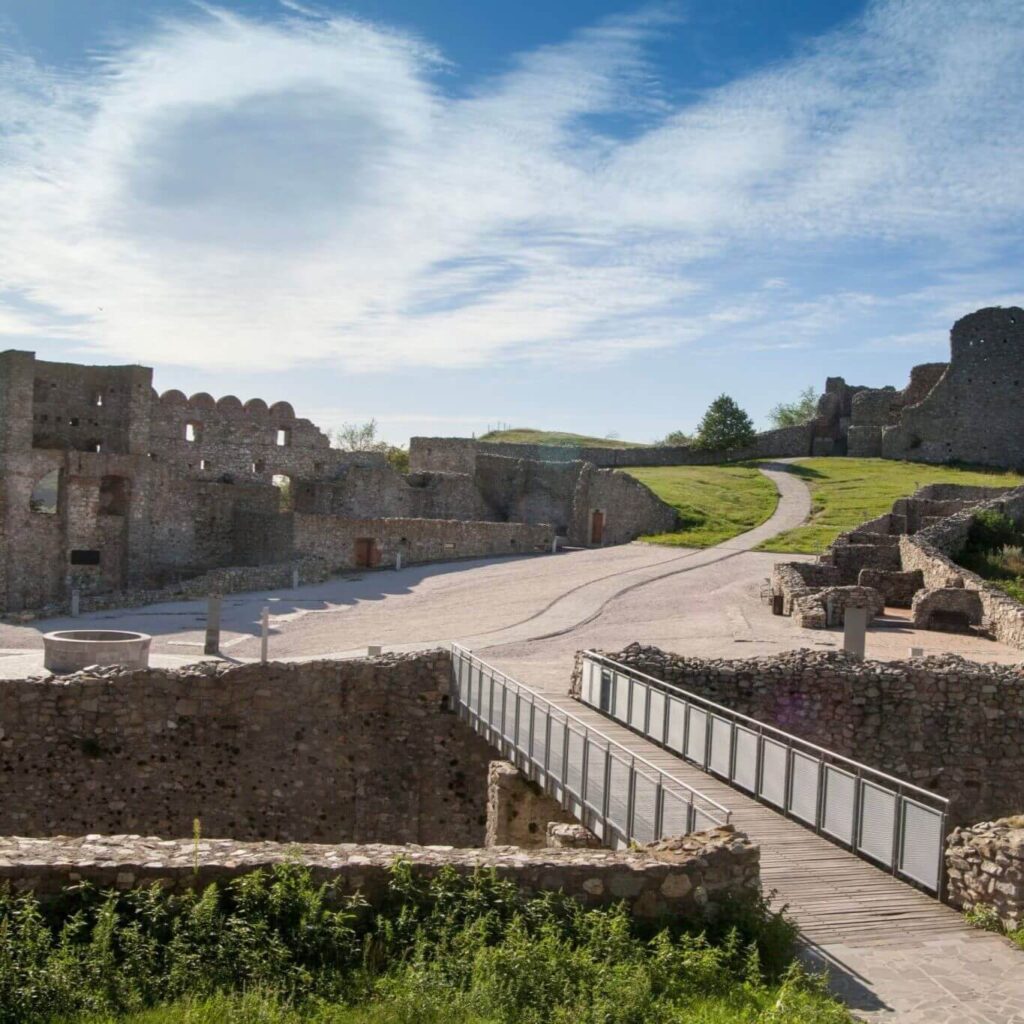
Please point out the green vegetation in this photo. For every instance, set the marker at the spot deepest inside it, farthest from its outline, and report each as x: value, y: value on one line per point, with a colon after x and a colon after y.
x: 527, y: 435
x: 846, y: 492
x: 725, y: 427
x: 362, y: 437
x: 794, y: 414
x: 985, y: 918
x: 274, y: 948
x: 714, y: 502
x: 994, y: 551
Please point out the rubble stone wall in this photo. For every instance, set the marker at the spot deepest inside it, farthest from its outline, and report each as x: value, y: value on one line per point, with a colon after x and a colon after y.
x: 314, y: 752
x: 985, y: 869
x: 518, y: 810
x: 459, y: 454
x: 686, y: 879
x: 950, y: 725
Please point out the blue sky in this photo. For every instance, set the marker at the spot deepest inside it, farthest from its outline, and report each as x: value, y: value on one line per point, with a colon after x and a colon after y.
x: 583, y: 216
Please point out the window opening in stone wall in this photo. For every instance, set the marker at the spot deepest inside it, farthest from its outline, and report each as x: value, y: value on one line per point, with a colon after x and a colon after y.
x: 83, y: 556
x: 259, y: 466
x: 191, y: 432
x: 73, y: 421
x: 205, y: 464
x: 284, y: 485
x: 98, y: 398
x: 115, y: 493
x: 284, y: 437
x: 45, y: 494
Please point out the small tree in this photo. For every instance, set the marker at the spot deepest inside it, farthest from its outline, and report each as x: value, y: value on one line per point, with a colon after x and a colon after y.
x: 794, y: 414
x: 362, y: 437
x: 725, y: 426
x: 675, y: 439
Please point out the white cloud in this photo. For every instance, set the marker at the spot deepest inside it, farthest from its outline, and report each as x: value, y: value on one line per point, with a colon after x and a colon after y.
x: 231, y: 192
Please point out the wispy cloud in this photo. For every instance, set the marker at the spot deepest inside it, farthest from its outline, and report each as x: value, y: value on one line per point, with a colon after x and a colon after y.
x: 229, y: 191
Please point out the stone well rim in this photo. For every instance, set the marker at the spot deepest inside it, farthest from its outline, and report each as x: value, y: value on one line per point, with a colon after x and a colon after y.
x: 95, y: 636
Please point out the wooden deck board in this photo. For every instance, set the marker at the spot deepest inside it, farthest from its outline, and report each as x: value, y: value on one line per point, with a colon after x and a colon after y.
x: 833, y: 895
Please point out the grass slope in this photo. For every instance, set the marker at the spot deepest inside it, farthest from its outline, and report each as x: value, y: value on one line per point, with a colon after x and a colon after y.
x: 527, y: 435
x: 846, y: 492
x: 714, y: 502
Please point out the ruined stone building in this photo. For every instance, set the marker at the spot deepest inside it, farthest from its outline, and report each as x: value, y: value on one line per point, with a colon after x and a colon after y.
x: 108, y: 487
x: 967, y: 410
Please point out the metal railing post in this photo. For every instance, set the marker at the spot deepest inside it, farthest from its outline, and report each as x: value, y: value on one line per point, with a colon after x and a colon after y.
x: 630, y: 801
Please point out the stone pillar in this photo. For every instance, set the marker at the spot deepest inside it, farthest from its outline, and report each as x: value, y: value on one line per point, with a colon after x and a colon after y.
x: 518, y: 811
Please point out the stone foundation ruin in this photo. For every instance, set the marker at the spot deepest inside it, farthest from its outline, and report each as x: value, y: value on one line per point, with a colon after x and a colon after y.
x: 125, y: 495
x: 344, y: 766
x: 904, y: 559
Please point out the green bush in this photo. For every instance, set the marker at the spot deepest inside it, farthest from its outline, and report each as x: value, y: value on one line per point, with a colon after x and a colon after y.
x: 272, y: 947
x: 992, y: 531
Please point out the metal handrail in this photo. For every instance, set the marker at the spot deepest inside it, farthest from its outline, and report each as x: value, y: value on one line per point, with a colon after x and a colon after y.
x: 763, y: 727
x: 588, y: 732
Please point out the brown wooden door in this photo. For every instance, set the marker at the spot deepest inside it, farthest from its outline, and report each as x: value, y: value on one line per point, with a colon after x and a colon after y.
x: 596, y: 526
x: 365, y: 552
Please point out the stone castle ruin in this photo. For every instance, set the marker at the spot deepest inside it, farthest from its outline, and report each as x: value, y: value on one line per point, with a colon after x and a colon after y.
x: 967, y: 410
x: 905, y: 559
x: 115, y: 491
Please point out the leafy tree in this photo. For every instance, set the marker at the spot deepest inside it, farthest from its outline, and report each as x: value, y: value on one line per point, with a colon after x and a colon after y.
x: 362, y: 437
x: 725, y: 426
x: 676, y: 439
x: 794, y: 414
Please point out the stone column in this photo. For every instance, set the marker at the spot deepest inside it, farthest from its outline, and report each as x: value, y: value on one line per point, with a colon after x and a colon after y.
x: 518, y: 811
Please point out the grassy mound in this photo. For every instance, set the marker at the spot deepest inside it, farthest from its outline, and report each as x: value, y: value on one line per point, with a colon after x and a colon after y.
x: 275, y: 948
x: 526, y: 435
x: 847, y: 492
x: 715, y: 503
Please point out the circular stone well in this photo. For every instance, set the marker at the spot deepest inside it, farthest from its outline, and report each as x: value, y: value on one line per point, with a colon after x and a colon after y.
x: 69, y: 650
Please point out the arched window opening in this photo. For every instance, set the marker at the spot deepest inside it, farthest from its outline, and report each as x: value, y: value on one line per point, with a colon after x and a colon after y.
x: 284, y: 485
x: 115, y: 495
x: 45, y: 494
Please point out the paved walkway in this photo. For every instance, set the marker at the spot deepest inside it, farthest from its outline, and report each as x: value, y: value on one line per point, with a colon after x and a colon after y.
x: 537, y: 611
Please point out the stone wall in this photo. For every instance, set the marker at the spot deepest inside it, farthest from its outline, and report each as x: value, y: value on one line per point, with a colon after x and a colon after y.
x: 985, y: 869
x: 459, y: 454
x: 518, y: 810
x: 930, y: 552
x: 953, y: 726
x: 319, y: 751
x: 974, y: 413
x: 687, y: 879
x: 418, y: 540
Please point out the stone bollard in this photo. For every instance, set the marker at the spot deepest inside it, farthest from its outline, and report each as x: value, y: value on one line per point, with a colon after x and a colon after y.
x: 76, y: 598
x: 855, y: 627
x: 212, y: 645
x: 264, y: 634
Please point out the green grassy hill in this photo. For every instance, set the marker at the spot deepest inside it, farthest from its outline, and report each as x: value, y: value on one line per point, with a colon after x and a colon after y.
x: 846, y: 492
x: 527, y: 435
x: 714, y: 503
x: 719, y: 502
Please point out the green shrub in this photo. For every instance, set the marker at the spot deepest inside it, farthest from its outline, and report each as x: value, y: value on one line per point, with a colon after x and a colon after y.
x: 274, y: 948
x: 985, y: 918
x: 992, y: 531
